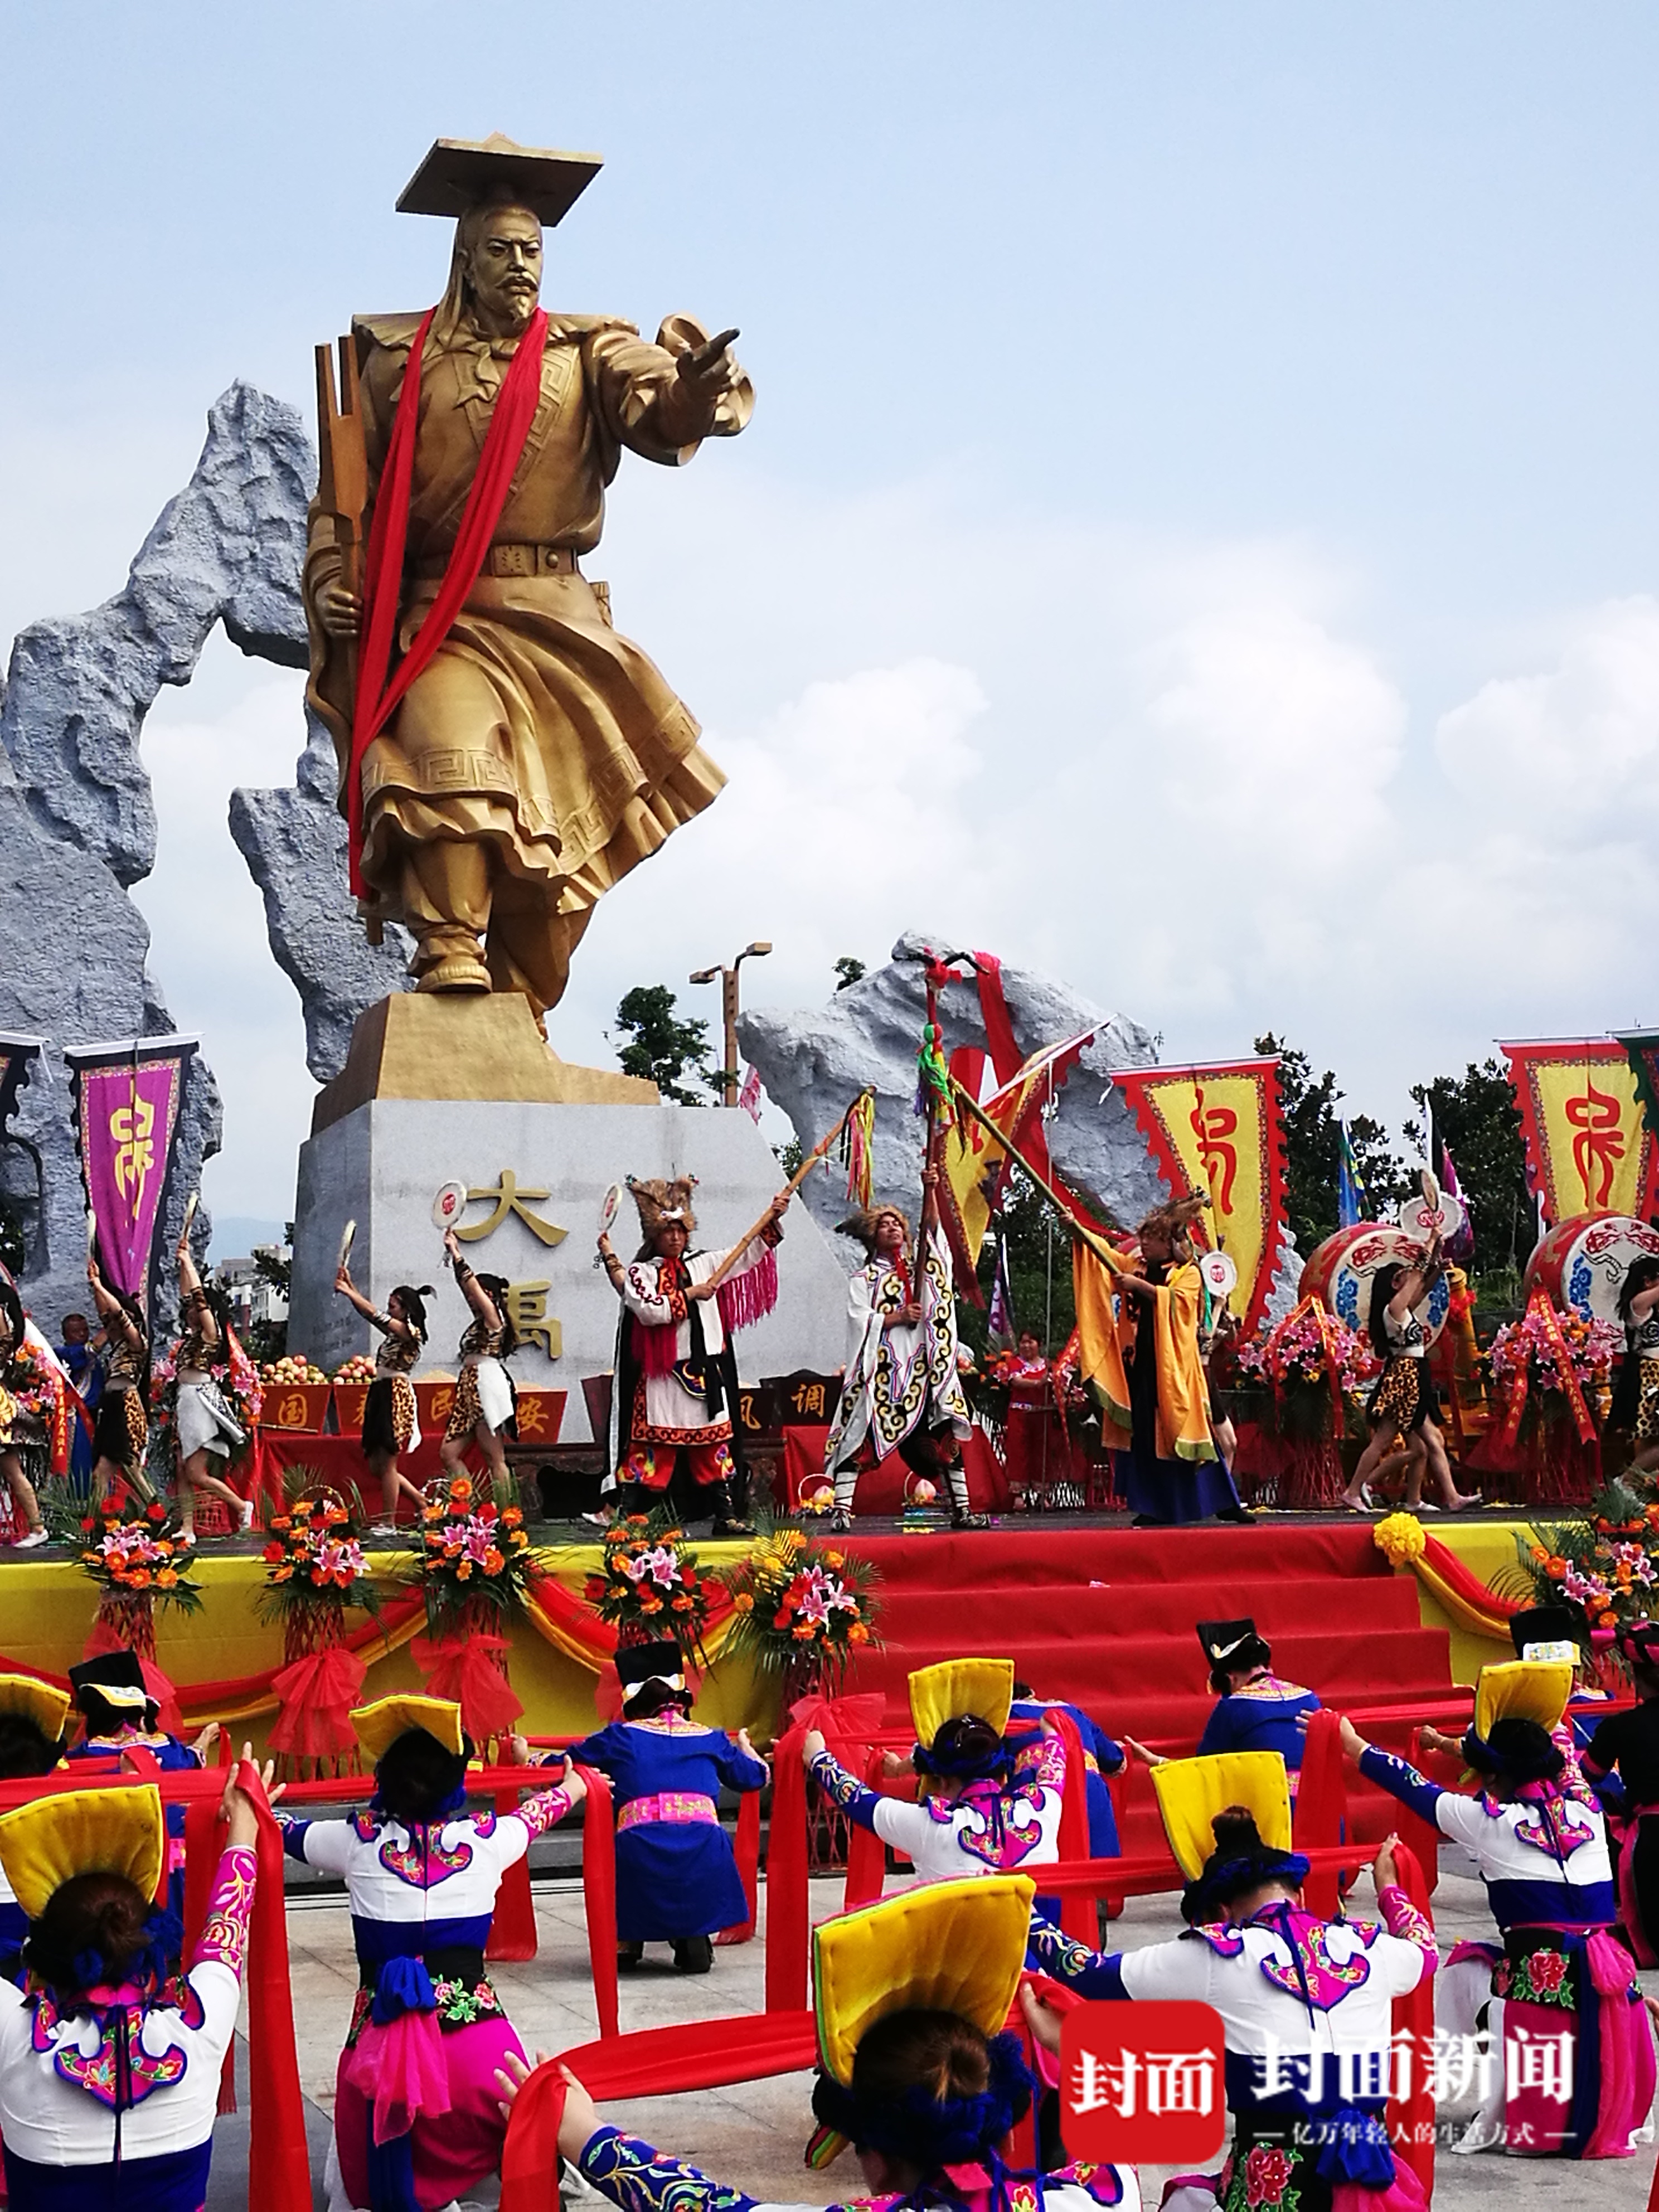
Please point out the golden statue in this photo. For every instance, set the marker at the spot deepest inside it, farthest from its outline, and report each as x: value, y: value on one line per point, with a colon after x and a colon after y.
x: 506, y: 756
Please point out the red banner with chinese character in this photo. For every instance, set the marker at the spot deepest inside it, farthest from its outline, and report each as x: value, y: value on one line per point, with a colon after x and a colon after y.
x: 127, y: 1099
x: 1218, y: 1128
x: 1588, y: 1142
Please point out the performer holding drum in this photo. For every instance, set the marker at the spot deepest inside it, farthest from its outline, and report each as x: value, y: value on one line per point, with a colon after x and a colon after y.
x: 1403, y: 1408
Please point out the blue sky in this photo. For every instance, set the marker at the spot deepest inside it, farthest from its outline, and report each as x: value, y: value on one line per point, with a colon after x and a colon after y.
x: 1197, y: 530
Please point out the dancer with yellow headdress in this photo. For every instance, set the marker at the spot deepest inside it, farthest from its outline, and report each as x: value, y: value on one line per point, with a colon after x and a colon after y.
x: 1306, y: 2003
x: 110, y: 2062
x: 916, y: 2069
x: 981, y: 1810
x: 1569, y: 1997
x: 416, y: 2121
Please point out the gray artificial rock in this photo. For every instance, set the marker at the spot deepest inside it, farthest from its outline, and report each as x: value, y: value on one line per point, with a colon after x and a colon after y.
x: 78, y: 818
x: 228, y: 547
x: 295, y: 844
x: 814, y: 1060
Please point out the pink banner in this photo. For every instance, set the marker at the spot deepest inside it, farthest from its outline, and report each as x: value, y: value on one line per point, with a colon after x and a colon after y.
x: 127, y: 1099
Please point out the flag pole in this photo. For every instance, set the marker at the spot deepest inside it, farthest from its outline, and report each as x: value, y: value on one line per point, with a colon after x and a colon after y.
x: 1084, y: 1235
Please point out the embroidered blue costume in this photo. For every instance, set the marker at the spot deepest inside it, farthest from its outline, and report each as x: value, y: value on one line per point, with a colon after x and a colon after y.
x: 675, y: 1874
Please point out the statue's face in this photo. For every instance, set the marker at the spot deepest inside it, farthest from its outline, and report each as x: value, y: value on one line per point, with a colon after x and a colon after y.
x: 504, y: 269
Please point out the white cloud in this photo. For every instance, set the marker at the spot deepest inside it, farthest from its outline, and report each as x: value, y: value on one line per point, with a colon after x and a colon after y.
x: 1180, y: 776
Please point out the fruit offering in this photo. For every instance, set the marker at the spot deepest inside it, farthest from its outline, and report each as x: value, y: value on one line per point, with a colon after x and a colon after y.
x: 291, y: 1373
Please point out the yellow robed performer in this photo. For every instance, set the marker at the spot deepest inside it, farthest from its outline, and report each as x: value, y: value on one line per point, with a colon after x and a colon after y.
x: 1140, y: 1356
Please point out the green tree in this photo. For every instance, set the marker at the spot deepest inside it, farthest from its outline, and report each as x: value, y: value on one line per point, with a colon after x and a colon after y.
x: 662, y: 1048
x: 1474, y: 1115
x: 849, y: 970
x: 1313, y: 1147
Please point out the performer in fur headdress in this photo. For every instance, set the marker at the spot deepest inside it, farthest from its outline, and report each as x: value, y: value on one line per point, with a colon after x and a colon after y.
x: 901, y: 1391
x: 676, y: 1387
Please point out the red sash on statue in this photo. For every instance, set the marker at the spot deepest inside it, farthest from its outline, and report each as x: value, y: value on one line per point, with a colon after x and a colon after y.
x: 509, y: 426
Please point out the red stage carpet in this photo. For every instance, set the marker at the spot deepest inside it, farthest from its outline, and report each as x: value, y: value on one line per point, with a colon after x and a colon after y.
x: 1339, y: 1619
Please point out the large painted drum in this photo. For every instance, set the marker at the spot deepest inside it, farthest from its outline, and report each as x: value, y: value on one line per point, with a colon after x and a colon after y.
x: 1580, y: 1265
x: 1338, y: 1273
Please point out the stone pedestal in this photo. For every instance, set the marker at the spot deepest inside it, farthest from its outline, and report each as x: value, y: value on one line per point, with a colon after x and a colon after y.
x: 538, y: 1169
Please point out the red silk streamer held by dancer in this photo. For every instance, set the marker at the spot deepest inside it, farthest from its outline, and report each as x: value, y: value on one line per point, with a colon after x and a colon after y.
x: 1410, y: 2120
x: 866, y: 1854
x: 1077, y: 1911
x: 509, y: 426
x: 747, y: 1851
x: 1321, y: 1803
x: 656, y: 2062
x: 512, y: 1937
x: 787, y: 1911
x: 599, y: 1895
x: 464, y: 1667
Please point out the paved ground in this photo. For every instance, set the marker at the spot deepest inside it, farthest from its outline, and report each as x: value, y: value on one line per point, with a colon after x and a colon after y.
x: 753, y: 2135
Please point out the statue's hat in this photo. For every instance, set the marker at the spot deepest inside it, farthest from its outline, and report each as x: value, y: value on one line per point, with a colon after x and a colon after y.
x: 458, y: 173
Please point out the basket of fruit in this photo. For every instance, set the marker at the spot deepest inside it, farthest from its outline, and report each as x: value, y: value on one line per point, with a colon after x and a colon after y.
x: 296, y: 1395
x: 351, y: 1383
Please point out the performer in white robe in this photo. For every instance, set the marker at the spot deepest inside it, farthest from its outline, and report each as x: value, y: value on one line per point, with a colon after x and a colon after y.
x: 902, y: 1390
x: 675, y: 1390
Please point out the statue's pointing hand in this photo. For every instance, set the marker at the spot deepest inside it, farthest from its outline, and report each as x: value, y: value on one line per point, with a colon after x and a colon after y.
x: 709, y: 368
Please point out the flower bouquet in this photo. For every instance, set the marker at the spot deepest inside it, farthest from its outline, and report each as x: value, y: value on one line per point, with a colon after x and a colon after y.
x: 314, y: 1569
x: 648, y: 1585
x: 139, y: 1557
x: 476, y: 1569
x: 1550, y: 1375
x: 1315, y: 1367
x: 1603, y: 1564
x: 805, y: 1611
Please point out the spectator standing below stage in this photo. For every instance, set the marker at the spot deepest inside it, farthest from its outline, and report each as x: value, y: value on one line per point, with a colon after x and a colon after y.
x: 110, y: 2067
x: 676, y: 1386
x: 1175, y: 1475
x: 676, y: 1877
x: 902, y: 1389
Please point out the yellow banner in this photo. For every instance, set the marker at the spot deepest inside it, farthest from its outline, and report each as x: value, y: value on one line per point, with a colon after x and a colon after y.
x: 1583, y: 1122
x: 1217, y: 1129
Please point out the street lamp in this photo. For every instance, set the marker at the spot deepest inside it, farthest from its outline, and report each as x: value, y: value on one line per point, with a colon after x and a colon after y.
x: 728, y: 983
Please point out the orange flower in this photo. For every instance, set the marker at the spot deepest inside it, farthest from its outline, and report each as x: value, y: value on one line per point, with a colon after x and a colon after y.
x: 493, y: 1561
x: 835, y: 1559
x: 802, y: 1632
x: 139, y: 1578
x: 282, y: 1575
x: 464, y: 1572
x: 1609, y: 1620
x: 461, y: 1489
x: 743, y: 1603
x: 681, y: 1604
x: 167, y: 1578
x: 651, y: 1605
x: 857, y: 1632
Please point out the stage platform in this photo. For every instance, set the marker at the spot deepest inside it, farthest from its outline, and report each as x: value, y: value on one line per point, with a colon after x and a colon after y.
x: 1091, y: 1611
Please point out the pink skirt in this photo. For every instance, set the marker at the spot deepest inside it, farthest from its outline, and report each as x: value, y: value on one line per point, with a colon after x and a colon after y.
x: 452, y: 2150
